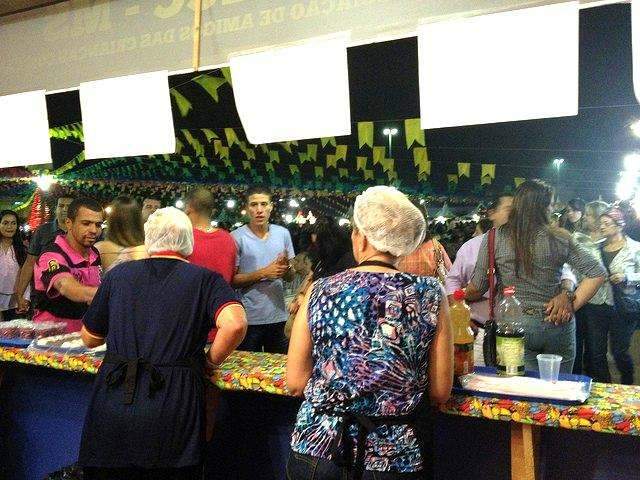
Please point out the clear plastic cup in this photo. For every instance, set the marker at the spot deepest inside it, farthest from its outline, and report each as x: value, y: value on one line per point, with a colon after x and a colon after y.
x: 549, y: 366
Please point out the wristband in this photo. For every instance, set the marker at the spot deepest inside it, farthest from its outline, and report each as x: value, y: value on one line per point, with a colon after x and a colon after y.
x: 211, y: 365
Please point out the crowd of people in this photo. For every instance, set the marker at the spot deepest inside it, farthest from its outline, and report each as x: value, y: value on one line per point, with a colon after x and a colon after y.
x: 363, y: 315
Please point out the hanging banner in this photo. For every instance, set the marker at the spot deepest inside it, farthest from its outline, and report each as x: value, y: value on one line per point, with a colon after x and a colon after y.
x: 365, y: 134
x: 312, y: 151
x: 464, y: 170
x: 232, y: 138
x: 325, y: 140
x: 378, y: 154
x: 414, y: 132
x: 392, y: 175
x: 361, y: 163
x: 423, y: 177
x: 341, y: 152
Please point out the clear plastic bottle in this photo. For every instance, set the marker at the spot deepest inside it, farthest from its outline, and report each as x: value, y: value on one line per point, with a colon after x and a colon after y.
x: 509, y: 335
x: 462, y: 335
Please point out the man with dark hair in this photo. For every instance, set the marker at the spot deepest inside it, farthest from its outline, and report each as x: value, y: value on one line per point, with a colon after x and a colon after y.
x: 213, y: 248
x: 149, y: 205
x: 264, y: 252
x: 42, y: 238
x: 67, y: 273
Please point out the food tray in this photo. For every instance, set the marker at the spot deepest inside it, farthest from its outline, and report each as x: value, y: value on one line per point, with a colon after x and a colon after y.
x: 67, y: 344
x: 582, y: 379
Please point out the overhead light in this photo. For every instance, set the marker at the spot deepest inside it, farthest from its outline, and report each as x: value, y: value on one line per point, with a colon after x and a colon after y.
x: 344, y: 221
x: 24, y: 129
x: 135, y: 109
x: 303, y: 199
x: 237, y: 224
x: 390, y: 131
x: 288, y: 218
x: 509, y: 66
x: 179, y: 204
x: 44, y: 182
x: 26, y: 227
x: 635, y: 128
x: 632, y: 162
x: 440, y: 219
x: 626, y: 186
x: 293, y: 203
x: 231, y: 204
x: 214, y: 223
x: 557, y: 162
x: 475, y: 217
x: 243, y: 212
x: 283, y: 113
x: 422, y: 201
x: 108, y: 210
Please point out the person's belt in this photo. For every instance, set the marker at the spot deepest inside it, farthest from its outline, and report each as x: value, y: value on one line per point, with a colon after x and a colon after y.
x: 531, y: 311
x: 126, y: 371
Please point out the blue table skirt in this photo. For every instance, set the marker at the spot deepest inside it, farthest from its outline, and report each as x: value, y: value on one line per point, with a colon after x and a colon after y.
x: 42, y: 412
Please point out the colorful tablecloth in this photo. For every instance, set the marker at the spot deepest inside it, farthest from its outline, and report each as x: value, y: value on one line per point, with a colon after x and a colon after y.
x: 610, y: 408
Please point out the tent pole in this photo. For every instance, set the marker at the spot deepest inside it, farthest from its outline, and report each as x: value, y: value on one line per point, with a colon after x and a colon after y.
x: 197, y: 17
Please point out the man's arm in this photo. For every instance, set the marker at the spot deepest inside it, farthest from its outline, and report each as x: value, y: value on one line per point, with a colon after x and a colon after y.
x: 70, y: 288
x: 274, y: 270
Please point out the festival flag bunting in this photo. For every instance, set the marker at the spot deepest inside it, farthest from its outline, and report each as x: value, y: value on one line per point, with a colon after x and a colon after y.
x: 286, y: 146
x: 179, y: 145
x: 250, y: 153
x: 488, y: 173
x: 246, y: 165
x: 312, y: 151
x: 341, y: 152
x: 332, y: 161
x: 423, y: 177
x: 203, y: 161
x: 413, y: 132
x: 361, y: 163
x: 518, y: 181
x: 303, y: 157
x: 274, y: 156
x: 184, y: 105
x: 194, y: 142
x: 365, y: 134
x: 343, y: 172
x: 378, y: 154
x: 294, y: 169
x: 452, y: 178
x: 268, y: 167
x: 368, y: 174
x: 387, y: 164
x: 464, y: 170
x: 264, y: 148
x: 217, y: 145
x: 224, y: 152
x: 325, y: 140
x: 319, y: 172
x: 209, y: 134
x: 226, y: 73
x: 232, y: 138
x: 210, y: 84
x: 392, y: 175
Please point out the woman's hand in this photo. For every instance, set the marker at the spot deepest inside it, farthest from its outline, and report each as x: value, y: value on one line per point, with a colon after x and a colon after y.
x: 617, y: 278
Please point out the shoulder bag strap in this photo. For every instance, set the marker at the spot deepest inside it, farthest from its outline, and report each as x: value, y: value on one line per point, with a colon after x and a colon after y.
x: 491, y: 273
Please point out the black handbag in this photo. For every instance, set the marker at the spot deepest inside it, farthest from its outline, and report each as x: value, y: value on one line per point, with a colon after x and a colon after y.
x: 489, y: 342
x: 626, y: 299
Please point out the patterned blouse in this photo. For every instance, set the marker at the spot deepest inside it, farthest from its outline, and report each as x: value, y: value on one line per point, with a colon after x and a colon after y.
x: 371, y: 335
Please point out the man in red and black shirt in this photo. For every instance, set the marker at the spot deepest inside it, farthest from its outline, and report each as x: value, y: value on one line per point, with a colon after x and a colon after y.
x: 67, y: 273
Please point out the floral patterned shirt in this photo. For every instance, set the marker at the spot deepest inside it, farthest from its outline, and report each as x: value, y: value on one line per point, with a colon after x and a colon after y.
x: 371, y: 335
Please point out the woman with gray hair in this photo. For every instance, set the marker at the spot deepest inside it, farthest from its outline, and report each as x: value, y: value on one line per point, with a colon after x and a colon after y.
x: 370, y: 348
x: 146, y: 416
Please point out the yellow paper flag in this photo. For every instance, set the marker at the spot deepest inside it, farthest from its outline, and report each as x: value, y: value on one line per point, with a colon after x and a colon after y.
x: 489, y: 169
x: 250, y: 153
x: 343, y: 172
x: 231, y: 137
x: 303, y: 157
x: 286, y: 146
x: 392, y: 175
x: 264, y: 148
x: 365, y: 134
x: 217, y: 145
x: 413, y: 132
x: 246, y: 165
x: 332, y: 161
x: 274, y: 156
x: 518, y: 181
x: 423, y: 177
x: 378, y: 154
x: 319, y: 171
x: 209, y: 134
x: 387, y: 164
x: 368, y: 174
x: 325, y: 140
x: 420, y: 155
x: 341, y: 152
x: 224, y: 152
x: 294, y: 169
x: 204, y: 162
x: 361, y: 163
x: 464, y: 170
x: 268, y: 167
x: 452, y: 178
x: 312, y: 151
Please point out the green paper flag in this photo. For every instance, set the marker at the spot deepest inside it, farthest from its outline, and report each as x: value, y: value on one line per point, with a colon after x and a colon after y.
x: 210, y: 85
x: 185, y: 159
x: 464, y: 170
x: 224, y: 152
x: 343, y: 172
x: 378, y: 154
x: 231, y: 137
x: 246, y: 165
x: 265, y: 149
x: 387, y: 164
x: 184, y: 105
x: 195, y: 144
x: 368, y: 174
x: 312, y: 151
x: 268, y: 167
x: 274, y: 156
x: 286, y: 146
x: 209, y: 134
x: 365, y: 134
x: 319, y: 171
x: 361, y: 163
x: 303, y: 157
x: 217, y: 145
x: 179, y: 145
x: 226, y: 161
x: 203, y: 162
x: 392, y: 175
x: 452, y: 178
x: 332, y: 161
x: 423, y: 177
x: 341, y: 152
x: 294, y: 169
x: 226, y: 72
x: 325, y: 140
x: 413, y: 132
x: 488, y: 169
x: 518, y: 181
x: 250, y: 153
